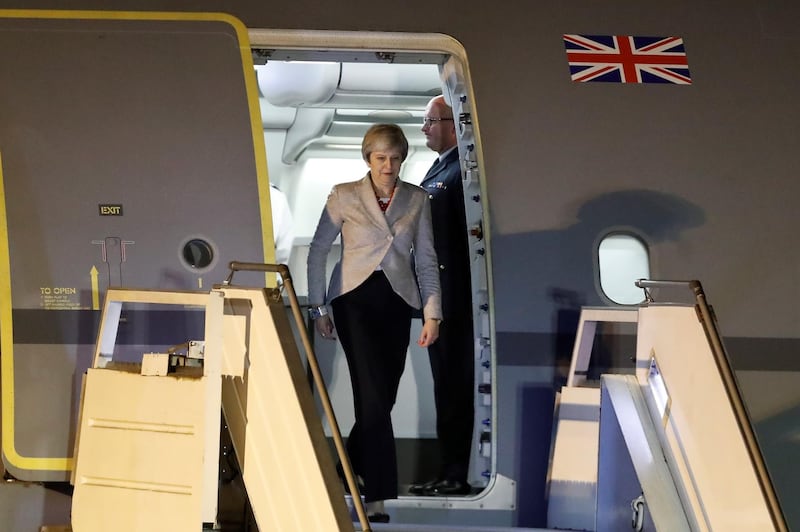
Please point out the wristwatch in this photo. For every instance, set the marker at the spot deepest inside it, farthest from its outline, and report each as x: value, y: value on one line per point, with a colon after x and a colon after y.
x: 317, y: 312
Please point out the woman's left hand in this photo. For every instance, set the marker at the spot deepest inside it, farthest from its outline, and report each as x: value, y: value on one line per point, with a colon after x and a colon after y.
x: 430, y: 332
x: 324, y: 327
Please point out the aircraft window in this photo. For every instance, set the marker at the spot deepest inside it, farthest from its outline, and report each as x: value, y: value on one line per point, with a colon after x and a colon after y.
x: 197, y: 253
x: 623, y: 258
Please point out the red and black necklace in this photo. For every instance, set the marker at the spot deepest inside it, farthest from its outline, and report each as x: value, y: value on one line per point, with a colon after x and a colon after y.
x: 383, y: 203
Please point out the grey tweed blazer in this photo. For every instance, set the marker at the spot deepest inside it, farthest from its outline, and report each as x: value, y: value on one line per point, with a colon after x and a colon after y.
x: 370, y: 239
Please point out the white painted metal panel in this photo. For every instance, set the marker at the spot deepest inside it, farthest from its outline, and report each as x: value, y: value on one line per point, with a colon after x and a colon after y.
x: 286, y: 462
x: 140, y: 460
x: 708, y: 454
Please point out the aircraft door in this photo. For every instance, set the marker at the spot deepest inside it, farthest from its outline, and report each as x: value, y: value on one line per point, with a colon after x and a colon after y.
x: 124, y: 162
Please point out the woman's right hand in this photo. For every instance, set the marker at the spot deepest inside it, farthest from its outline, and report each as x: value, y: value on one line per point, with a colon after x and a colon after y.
x: 324, y: 327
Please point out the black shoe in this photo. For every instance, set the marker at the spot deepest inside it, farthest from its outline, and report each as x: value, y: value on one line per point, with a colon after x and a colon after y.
x: 378, y: 518
x: 448, y: 487
x: 420, y: 488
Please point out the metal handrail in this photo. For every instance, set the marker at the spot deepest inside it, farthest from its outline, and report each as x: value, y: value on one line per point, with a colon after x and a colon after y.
x: 647, y: 284
x: 283, y: 271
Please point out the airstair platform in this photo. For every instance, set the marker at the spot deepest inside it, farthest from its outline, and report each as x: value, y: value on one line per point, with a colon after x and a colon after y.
x: 148, y: 444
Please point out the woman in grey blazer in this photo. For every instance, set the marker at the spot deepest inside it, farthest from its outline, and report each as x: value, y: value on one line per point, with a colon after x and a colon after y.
x: 388, y: 266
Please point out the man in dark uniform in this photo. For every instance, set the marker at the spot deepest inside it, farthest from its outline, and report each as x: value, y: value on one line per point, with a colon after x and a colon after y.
x: 452, y: 355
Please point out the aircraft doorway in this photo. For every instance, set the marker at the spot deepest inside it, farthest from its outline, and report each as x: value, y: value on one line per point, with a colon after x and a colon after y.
x: 319, y: 92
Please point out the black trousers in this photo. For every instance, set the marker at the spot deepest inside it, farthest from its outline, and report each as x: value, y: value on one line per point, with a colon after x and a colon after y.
x: 374, y: 324
x: 453, y: 370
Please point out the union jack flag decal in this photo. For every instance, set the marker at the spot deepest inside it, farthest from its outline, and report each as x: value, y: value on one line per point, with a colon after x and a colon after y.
x: 626, y: 59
